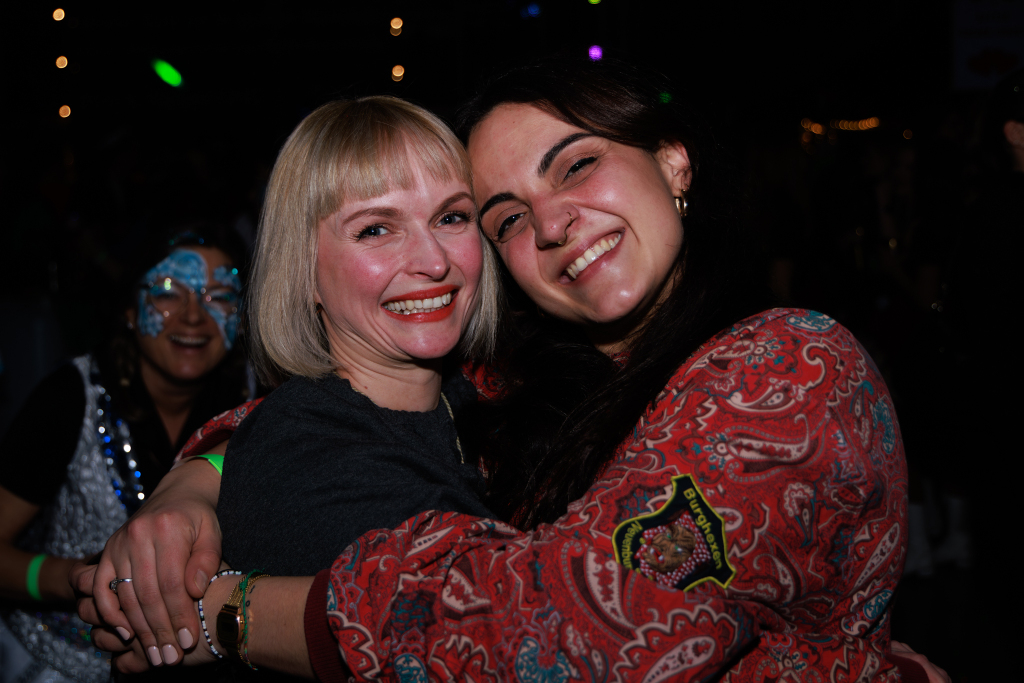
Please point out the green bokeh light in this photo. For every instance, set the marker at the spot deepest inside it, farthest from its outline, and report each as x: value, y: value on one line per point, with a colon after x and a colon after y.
x: 167, y: 73
x: 665, y: 97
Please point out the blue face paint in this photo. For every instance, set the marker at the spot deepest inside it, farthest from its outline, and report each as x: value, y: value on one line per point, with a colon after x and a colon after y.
x: 151, y: 322
x: 189, y: 269
x: 227, y: 322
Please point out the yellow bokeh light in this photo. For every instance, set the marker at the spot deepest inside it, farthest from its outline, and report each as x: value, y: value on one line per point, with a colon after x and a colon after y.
x: 65, y: 111
x: 397, y: 72
x: 396, y: 23
x: 395, y: 31
x: 58, y: 14
x: 62, y: 62
x: 817, y: 129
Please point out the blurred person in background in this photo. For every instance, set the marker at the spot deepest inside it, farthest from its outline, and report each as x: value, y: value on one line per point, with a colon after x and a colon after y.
x: 98, y: 434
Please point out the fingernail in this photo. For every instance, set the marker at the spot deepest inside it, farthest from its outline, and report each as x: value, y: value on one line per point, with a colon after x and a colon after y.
x: 123, y: 632
x: 170, y: 654
x: 185, y: 639
x: 154, y: 655
x: 202, y: 580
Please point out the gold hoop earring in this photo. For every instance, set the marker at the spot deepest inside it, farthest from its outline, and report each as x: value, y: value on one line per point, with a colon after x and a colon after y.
x: 681, y: 204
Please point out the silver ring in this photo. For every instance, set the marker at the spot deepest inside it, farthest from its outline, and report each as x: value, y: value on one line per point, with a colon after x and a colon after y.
x: 113, y: 584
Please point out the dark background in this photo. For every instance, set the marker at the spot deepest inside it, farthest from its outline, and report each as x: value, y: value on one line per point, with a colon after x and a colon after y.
x: 864, y: 225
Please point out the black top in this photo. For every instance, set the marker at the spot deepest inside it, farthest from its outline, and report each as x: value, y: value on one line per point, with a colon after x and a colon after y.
x: 317, y: 464
x: 42, y: 439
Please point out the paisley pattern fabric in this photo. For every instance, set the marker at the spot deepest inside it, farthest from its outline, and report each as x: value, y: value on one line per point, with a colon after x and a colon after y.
x: 216, y: 431
x: 782, y: 427
x: 787, y: 429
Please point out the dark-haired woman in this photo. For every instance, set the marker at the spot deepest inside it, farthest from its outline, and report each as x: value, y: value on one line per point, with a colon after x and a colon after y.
x: 96, y: 436
x: 699, y: 490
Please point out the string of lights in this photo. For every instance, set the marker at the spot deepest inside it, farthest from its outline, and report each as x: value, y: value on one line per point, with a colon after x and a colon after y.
x: 64, y: 111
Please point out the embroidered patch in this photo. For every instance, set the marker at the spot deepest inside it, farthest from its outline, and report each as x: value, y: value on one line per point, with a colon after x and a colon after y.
x: 681, y: 545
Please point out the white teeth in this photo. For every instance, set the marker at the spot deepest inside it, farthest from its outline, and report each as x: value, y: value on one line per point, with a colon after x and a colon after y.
x: 189, y: 341
x: 409, y: 306
x: 595, y: 252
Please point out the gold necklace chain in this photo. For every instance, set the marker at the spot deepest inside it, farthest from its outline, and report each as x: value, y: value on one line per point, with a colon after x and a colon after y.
x: 458, y: 444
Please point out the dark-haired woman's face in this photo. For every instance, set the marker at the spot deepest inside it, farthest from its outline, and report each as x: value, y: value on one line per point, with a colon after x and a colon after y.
x: 587, y: 227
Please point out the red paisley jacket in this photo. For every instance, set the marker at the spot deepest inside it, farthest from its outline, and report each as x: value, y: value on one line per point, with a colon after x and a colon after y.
x: 754, y: 522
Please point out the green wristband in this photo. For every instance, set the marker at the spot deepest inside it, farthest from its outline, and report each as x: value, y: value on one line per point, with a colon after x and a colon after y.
x: 32, y: 576
x: 216, y: 460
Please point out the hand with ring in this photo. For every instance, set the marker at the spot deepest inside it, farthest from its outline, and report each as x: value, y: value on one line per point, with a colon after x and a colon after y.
x: 155, y: 566
x: 113, y: 584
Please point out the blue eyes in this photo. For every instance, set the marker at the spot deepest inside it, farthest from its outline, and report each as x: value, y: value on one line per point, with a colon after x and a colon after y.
x: 373, y: 231
x: 453, y: 218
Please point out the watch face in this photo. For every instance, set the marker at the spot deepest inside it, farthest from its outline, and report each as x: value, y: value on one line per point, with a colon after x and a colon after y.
x: 229, y: 629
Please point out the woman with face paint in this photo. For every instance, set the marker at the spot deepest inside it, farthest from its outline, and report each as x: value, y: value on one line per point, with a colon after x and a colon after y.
x: 68, y: 482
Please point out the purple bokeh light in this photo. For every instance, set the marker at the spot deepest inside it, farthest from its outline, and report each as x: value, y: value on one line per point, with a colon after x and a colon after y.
x: 596, y: 52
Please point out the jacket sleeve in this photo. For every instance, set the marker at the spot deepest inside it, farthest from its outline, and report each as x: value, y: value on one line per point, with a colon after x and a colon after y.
x: 447, y: 596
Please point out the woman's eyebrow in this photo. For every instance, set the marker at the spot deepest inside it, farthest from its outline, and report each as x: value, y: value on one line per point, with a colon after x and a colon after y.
x: 496, y: 199
x: 383, y: 211
x: 549, y: 158
x: 454, y: 199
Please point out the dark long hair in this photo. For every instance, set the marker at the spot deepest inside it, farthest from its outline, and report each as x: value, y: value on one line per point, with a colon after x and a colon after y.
x: 566, y: 406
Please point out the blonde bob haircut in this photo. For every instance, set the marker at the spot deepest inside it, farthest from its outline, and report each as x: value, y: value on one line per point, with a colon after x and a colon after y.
x: 343, y: 151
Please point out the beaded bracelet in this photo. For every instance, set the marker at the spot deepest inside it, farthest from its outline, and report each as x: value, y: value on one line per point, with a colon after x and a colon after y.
x: 248, y: 583
x: 202, y: 616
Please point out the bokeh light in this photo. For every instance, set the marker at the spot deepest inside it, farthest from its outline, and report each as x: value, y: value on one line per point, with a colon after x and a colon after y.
x: 62, y: 62
x: 397, y: 72
x: 64, y: 111
x: 595, y: 52
x: 396, y: 22
x: 908, y: 134
x: 58, y: 14
x: 594, y: 2
x: 665, y: 97
x: 167, y: 73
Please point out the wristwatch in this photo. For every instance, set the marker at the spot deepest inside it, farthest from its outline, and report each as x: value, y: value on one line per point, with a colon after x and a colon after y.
x: 231, y: 621
x: 231, y: 618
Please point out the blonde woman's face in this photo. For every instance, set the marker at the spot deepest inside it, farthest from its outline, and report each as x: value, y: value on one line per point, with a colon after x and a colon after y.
x: 398, y: 275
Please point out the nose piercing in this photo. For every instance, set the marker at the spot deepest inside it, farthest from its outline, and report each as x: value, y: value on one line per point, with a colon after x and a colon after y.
x: 565, y: 235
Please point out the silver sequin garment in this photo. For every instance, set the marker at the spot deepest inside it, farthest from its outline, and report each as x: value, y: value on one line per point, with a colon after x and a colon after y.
x: 81, y: 518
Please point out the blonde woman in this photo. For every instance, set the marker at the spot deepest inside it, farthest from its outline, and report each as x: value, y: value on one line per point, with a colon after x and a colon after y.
x: 369, y: 270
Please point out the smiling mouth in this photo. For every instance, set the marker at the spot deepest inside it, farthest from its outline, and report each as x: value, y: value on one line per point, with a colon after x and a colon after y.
x: 410, y: 306
x: 190, y: 341
x: 596, y: 251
